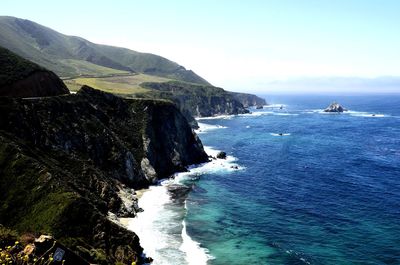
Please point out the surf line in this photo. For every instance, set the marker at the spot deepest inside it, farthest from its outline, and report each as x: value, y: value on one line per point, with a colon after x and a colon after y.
x: 156, y: 226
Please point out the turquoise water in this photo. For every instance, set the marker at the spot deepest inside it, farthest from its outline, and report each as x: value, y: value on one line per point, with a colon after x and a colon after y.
x: 326, y: 192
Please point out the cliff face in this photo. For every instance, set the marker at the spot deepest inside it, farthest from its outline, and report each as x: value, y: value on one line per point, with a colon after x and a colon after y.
x: 248, y: 100
x: 22, y: 78
x: 65, y: 160
x: 198, y: 100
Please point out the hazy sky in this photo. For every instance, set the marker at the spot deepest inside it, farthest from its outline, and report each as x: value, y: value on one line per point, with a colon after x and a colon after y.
x: 237, y: 44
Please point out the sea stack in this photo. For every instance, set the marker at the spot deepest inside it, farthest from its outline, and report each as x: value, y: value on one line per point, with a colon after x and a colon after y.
x: 335, y: 107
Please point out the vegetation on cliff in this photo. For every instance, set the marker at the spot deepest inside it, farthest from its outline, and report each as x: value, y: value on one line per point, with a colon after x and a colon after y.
x: 64, y: 160
x: 14, y: 68
x: 22, y: 78
x: 193, y: 100
x: 249, y: 100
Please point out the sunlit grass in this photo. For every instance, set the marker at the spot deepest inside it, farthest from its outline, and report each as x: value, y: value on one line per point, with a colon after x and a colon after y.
x: 86, y: 68
x: 125, y: 85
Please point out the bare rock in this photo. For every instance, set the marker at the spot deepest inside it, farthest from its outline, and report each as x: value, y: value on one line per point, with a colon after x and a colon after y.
x: 335, y: 107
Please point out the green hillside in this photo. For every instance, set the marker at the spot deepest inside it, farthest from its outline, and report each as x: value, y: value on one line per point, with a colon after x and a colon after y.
x: 124, y: 85
x: 14, y: 68
x: 21, y: 78
x: 71, y: 56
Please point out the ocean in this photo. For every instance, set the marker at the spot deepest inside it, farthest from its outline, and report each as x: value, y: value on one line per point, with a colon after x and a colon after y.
x: 326, y: 191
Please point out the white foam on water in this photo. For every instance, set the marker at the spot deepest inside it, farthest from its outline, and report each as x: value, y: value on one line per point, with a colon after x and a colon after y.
x: 203, y: 127
x: 153, y: 225
x: 314, y: 111
x: 365, y: 114
x: 256, y: 114
x: 277, y: 134
x: 275, y: 106
x: 285, y: 114
x: 219, y: 166
x: 161, y: 216
x: 268, y: 110
x: 195, y: 254
x: 226, y: 117
x: 349, y: 112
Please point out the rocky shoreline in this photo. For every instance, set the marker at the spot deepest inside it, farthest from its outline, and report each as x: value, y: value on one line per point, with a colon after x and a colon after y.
x: 61, y: 168
x: 73, y: 165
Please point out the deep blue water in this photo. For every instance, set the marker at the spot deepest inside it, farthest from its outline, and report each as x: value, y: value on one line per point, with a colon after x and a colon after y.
x: 328, y: 193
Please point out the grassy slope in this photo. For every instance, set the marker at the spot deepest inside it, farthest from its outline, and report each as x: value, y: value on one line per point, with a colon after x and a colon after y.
x: 122, y: 85
x: 51, y: 49
x: 84, y: 68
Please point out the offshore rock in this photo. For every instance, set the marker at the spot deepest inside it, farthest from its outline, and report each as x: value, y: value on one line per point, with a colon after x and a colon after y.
x: 335, y: 107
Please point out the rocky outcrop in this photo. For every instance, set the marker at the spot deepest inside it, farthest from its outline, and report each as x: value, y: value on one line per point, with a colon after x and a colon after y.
x: 221, y: 155
x: 249, y: 100
x: 335, y: 107
x: 197, y: 100
x: 65, y: 160
x: 22, y: 78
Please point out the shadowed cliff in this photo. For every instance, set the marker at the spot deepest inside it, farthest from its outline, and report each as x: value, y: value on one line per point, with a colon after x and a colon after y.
x: 65, y: 160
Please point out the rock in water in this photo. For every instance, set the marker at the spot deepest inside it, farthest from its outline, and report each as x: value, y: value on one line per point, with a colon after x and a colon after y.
x: 178, y: 192
x: 259, y: 107
x: 221, y: 155
x: 335, y: 107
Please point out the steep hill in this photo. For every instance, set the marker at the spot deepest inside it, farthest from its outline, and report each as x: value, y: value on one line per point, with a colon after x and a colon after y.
x: 22, y: 78
x: 63, y: 173
x: 70, y: 56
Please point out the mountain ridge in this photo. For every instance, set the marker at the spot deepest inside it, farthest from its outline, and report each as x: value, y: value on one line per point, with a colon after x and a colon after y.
x: 48, y: 48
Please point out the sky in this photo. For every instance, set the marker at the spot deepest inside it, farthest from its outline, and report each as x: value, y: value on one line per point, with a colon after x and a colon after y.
x: 239, y: 45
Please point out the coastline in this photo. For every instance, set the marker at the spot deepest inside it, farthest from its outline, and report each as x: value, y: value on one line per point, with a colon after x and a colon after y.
x: 161, y: 226
x: 187, y: 220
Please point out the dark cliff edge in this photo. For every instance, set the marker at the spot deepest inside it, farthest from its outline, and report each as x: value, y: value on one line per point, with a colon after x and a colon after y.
x: 65, y: 159
x: 22, y: 78
x: 249, y: 100
x: 196, y: 100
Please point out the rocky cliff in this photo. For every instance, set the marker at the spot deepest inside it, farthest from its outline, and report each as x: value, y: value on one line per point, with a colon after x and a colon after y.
x: 22, y: 78
x: 249, y: 100
x: 197, y: 100
x: 335, y: 107
x: 65, y: 160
